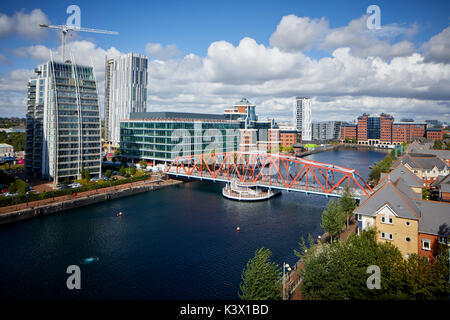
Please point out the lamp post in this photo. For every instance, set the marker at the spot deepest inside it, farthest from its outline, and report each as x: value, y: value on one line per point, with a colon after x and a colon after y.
x: 285, y: 266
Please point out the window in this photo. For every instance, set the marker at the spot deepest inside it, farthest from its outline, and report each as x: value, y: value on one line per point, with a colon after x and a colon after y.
x: 408, y: 223
x: 426, y: 244
x: 387, y: 219
x: 387, y: 236
x: 408, y: 239
x: 359, y: 217
x: 443, y: 240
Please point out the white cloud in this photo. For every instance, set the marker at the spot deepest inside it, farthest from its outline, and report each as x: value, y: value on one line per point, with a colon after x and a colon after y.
x: 437, y: 49
x: 376, y: 43
x: 157, y: 51
x: 352, y: 80
x: 25, y: 25
x: 298, y: 33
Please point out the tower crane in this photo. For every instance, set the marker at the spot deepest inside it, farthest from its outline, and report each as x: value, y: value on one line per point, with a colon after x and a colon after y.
x: 65, y: 28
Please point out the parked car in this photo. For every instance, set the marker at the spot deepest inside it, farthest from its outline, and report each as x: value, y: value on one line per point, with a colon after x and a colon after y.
x: 7, y: 194
x: 95, y: 179
x: 75, y: 185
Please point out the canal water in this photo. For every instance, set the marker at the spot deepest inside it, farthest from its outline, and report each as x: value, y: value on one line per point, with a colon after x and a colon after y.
x: 176, y: 243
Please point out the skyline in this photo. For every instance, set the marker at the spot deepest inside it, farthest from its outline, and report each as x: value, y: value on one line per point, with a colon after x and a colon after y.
x: 267, y: 52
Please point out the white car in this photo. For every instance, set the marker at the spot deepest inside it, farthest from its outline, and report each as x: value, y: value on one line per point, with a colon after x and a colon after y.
x: 75, y: 185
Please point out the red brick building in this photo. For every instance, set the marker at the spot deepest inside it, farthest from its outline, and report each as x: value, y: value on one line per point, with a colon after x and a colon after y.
x: 289, y: 138
x: 348, y: 131
x: 435, y: 134
x: 406, y: 131
x: 386, y: 121
x: 362, y: 128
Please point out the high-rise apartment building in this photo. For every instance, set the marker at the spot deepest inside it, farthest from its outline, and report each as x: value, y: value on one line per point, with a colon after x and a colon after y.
x: 302, y: 117
x: 406, y: 131
x: 63, y: 122
x: 386, y: 121
x: 126, y: 81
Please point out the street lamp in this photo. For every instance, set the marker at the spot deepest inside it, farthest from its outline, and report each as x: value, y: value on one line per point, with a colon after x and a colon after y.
x: 285, y: 266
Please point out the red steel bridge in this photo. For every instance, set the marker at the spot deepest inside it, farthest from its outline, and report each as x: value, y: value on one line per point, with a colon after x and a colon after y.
x: 268, y: 170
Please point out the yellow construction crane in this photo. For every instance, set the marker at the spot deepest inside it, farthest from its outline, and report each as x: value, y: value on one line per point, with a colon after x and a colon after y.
x: 65, y: 28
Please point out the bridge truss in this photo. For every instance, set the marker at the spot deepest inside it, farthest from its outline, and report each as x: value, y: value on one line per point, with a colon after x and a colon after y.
x: 272, y: 171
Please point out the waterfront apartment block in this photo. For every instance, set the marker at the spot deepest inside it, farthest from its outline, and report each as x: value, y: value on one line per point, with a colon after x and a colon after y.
x: 162, y: 136
x: 63, y: 122
x: 401, y: 217
x: 427, y: 167
x: 126, y: 81
x: 326, y: 130
x: 375, y: 129
x: 348, y: 131
x: 289, y: 137
x: 302, y: 117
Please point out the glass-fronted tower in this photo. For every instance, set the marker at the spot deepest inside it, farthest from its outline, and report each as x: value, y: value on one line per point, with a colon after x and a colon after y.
x: 302, y: 117
x: 63, y: 122
x: 125, y: 91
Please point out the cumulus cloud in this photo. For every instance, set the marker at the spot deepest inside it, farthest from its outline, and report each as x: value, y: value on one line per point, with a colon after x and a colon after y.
x: 376, y: 43
x: 298, y: 33
x: 25, y: 25
x: 437, y: 49
x: 157, y: 51
x: 353, y: 79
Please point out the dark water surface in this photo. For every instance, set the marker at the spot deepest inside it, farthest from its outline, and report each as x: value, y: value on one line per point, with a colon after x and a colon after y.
x: 176, y: 243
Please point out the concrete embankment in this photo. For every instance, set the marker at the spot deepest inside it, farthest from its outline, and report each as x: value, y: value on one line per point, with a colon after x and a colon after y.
x: 82, y: 200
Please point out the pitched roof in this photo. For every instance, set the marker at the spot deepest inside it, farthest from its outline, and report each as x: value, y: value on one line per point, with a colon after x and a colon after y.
x: 436, y: 217
x: 400, y: 171
x: 421, y: 161
x: 394, y: 197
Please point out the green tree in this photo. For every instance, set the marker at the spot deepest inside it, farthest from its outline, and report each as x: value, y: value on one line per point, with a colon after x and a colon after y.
x: 348, y: 203
x: 425, y: 194
x: 86, y: 175
x: 261, y: 278
x: 143, y: 164
x: 333, y: 218
x: 437, y: 145
x: 122, y: 171
x: 108, y: 174
x: 65, y: 182
x: 22, y: 186
x: 12, y: 187
x: 132, y: 169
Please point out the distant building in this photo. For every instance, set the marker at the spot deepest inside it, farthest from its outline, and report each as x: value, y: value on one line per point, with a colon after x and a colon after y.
x: 289, y: 137
x: 6, y: 150
x: 126, y: 81
x: 348, y: 131
x: 407, y: 131
x: 63, y: 122
x: 434, y: 134
x: 302, y: 117
x: 326, y: 130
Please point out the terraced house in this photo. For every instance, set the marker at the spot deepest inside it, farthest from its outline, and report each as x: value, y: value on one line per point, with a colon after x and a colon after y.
x: 401, y: 217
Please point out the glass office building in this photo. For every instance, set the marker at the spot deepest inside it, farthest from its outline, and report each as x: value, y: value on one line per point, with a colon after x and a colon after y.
x: 163, y: 136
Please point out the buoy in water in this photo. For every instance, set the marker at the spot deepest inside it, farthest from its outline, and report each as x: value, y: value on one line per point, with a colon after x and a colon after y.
x: 238, y: 229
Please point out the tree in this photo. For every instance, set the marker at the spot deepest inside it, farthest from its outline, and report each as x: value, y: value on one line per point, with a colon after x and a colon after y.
x: 261, y: 278
x: 333, y: 218
x: 123, y: 171
x: 22, y: 186
x: 143, y: 164
x: 437, y: 145
x: 12, y: 187
x: 86, y: 175
x: 347, y: 203
x: 108, y: 174
x: 425, y: 194
x: 132, y: 169
x: 65, y: 182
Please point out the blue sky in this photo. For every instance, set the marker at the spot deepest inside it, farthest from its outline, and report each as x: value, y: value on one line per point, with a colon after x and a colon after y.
x: 194, y: 26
